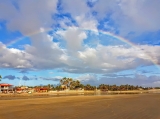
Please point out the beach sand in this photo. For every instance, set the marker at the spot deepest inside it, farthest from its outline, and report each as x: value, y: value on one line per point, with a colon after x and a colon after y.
x: 137, y: 106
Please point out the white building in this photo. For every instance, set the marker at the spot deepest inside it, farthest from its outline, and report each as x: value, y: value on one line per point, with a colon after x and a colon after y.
x: 4, y: 87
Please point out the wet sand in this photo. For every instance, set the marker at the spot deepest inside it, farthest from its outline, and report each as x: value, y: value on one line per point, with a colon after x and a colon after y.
x: 137, y: 106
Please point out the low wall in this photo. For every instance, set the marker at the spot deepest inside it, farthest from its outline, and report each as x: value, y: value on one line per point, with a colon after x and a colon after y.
x: 98, y: 91
x: 77, y: 92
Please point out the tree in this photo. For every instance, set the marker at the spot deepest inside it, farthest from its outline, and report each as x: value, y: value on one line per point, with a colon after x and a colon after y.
x: 72, y: 85
x: 81, y: 86
x: 0, y: 77
x: 58, y: 87
x: 66, y: 81
x: 77, y: 82
x: 69, y: 80
x: 89, y: 87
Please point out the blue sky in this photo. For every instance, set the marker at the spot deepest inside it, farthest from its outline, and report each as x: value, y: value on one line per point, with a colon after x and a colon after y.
x: 94, y: 41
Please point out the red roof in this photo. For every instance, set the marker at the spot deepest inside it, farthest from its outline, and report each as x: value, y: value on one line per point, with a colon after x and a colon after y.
x: 5, y: 84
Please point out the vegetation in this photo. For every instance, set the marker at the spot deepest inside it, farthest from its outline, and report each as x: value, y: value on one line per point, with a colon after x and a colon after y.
x: 0, y: 77
x: 69, y: 83
x: 118, y: 88
x: 157, y: 87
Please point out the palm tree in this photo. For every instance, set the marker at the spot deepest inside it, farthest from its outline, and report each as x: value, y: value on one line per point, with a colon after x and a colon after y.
x: 73, y: 84
x: 64, y: 81
x: 61, y: 81
x: 69, y: 80
x: 103, y: 87
x: 0, y: 77
x: 88, y: 87
x: 77, y: 82
x: 81, y: 86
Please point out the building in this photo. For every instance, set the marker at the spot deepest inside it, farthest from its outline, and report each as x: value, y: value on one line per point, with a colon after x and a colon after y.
x: 22, y: 89
x: 41, y: 89
x: 5, y: 88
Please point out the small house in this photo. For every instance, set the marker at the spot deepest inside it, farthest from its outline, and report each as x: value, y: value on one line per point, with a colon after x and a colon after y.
x: 41, y: 89
x: 5, y: 88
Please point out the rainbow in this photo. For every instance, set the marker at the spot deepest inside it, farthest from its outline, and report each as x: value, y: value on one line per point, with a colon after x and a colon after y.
x: 28, y: 35
x: 130, y: 44
x: 99, y: 31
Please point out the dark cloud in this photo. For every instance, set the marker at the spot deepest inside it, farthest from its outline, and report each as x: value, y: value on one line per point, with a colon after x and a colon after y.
x: 18, y: 77
x: 25, y: 78
x: 136, y: 79
x: 110, y: 75
x: 52, y: 79
x: 10, y: 77
x: 117, y: 75
x: 144, y: 71
x: 24, y: 71
x: 36, y: 78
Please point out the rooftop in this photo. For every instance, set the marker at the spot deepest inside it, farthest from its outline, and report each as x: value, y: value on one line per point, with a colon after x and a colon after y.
x: 5, y: 84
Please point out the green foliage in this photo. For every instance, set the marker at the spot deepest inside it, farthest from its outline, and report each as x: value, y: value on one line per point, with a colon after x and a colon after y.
x: 66, y: 81
x: 0, y: 77
x: 157, y: 87
x: 105, y: 87
x: 70, y: 83
x: 58, y: 87
x: 89, y: 87
x: 76, y: 84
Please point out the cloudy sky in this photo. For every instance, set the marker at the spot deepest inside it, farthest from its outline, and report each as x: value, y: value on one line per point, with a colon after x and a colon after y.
x: 95, y: 41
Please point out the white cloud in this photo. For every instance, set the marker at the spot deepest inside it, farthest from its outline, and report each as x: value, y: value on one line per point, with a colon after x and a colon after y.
x: 45, y: 54
x: 30, y: 16
x: 130, y: 15
x: 103, y: 7
x: 13, y: 58
x: 9, y: 9
x: 81, y: 13
x: 103, y: 59
x: 87, y: 23
x: 76, y: 8
x: 144, y: 14
x: 74, y: 38
x: 88, y: 79
x: 156, y: 83
x: 78, y: 57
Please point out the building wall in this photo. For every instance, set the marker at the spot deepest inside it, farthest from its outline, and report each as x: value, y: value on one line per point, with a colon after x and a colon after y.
x: 5, y: 88
x: 0, y: 90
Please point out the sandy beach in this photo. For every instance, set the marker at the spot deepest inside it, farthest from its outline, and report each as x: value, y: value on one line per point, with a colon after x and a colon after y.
x: 138, y: 106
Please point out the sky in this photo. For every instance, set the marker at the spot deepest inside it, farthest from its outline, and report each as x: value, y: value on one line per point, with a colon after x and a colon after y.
x: 94, y: 41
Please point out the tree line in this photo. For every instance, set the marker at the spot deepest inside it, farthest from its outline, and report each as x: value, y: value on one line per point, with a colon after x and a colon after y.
x: 69, y: 83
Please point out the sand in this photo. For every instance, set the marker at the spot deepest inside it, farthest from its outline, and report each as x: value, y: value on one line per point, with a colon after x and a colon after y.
x: 137, y: 106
